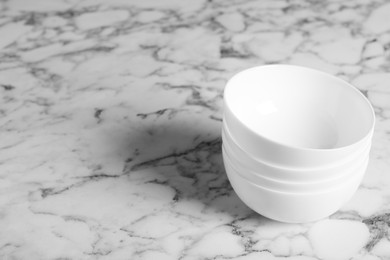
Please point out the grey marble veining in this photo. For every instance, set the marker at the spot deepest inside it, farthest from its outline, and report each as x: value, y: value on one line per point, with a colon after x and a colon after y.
x: 110, y: 117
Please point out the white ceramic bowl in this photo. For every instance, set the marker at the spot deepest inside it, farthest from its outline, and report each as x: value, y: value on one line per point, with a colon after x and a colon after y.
x: 296, y: 116
x: 300, y: 175
x: 294, y: 207
x: 289, y: 186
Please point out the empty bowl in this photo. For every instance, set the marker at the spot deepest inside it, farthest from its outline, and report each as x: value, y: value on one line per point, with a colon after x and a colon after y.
x: 296, y: 141
x: 296, y: 116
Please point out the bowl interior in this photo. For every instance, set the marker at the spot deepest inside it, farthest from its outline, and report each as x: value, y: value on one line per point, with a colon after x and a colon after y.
x: 299, y: 107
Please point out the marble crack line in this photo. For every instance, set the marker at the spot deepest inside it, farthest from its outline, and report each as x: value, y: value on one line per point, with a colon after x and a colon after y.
x: 134, y: 235
x: 246, y: 240
x: 42, y: 212
x: 170, y: 112
x: 379, y: 228
x: 7, y: 245
x: 196, y: 99
x: 205, y: 145
x: 230, y: 52
x: 95, y: 251
x: 45, y: 192
x: 178, y: 193
x: 98, y: 114
x: 99, y: 253
x: 240, y: 255
x: 7, y: 87
x: 98, y: 176
x: 75, y: 218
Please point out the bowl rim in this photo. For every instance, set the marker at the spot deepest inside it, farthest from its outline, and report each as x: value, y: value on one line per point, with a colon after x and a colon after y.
x: 310, y: 70
x: 345, y: 177
x: 294, y: 181
x: 230, y: 141
x: 304, y: 193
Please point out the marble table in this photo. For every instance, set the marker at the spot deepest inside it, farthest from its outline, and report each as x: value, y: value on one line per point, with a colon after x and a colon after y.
x: 110, y: 117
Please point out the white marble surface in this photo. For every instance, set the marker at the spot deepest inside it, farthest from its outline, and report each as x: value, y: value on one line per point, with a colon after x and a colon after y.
x: 110, y: 121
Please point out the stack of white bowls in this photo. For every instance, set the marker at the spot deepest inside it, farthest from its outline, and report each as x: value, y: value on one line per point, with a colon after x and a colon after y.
x: 296, y: 141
